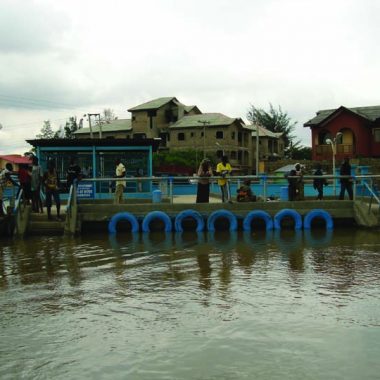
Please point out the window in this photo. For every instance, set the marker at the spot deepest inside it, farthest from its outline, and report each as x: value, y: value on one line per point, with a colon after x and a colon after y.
x: 139, y: 136
x: 202, y: 134
x: 219, y: 134
x: 376, y: 132
x: 192, y: 134
x: 181, y: 136
x: 233, y: 135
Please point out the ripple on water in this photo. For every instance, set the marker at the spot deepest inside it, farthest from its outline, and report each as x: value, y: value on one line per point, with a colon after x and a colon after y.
x: 168, y: 305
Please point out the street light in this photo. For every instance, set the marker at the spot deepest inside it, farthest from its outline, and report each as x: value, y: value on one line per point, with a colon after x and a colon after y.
x: 257, y: 148
x: 333, y: 143
x: 204, y: 122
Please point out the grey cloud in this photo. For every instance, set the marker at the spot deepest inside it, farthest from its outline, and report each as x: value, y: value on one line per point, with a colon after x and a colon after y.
x: 27, y: 27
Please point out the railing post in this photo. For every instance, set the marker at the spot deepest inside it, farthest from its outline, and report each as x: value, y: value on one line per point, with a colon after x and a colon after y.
x: 171, y: 189
x: 264, y: 179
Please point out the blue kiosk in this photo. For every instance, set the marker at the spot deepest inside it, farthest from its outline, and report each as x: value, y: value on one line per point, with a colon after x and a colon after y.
x: 97, y: 158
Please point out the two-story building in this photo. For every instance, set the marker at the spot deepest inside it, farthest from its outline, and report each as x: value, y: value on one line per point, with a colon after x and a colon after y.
x: 356, y: 132
x: 182, y: 127
x: 153, y: 119
x: 214, y: 134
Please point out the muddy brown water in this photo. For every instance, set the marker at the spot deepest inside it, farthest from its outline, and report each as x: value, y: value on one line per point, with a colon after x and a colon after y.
x: 283, y: 305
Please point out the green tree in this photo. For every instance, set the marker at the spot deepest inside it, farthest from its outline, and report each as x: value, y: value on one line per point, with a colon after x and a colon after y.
x: 46, y: 131
x: 186, y: 158
x: 299, y: 152
x: 70, y: 127
x: 275, y: 120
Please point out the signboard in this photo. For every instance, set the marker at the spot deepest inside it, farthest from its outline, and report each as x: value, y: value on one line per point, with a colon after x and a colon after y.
x: 85, y: 190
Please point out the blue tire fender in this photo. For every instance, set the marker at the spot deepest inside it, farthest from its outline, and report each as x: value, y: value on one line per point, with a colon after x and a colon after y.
x: 189, y: 214
x: 221, y: 214
x: 318, y: 213
x: 257, y: 214
x: 123, y: 216
x: 287, y: 212
x: 156, y: 215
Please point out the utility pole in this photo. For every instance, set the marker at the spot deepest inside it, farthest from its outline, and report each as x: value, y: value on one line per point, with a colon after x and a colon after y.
x: 204, y: 122
x: 99, y: 123
x: 257, y: 148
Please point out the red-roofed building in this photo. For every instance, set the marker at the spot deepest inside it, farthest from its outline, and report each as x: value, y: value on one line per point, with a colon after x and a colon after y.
x: 15, y: 160
x: 357, y: 130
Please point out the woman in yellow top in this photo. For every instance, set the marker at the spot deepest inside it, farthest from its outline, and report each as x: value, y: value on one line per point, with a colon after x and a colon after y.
x: 223, y: 169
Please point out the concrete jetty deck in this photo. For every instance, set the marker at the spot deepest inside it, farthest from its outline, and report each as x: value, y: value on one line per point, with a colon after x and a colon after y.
x: 97, y: 212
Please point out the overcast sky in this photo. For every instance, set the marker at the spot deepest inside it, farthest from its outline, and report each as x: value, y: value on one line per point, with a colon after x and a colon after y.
x: 64, y: 58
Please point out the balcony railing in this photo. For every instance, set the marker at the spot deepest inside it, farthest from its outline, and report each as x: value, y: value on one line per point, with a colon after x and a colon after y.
x: 341, y: 149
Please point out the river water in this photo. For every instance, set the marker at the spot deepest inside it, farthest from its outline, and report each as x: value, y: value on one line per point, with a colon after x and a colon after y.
x: 289, y: 305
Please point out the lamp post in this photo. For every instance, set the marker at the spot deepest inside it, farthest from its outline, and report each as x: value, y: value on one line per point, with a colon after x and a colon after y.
x: 333, y: 143
x: 257, y: 148
x: 204, y: 122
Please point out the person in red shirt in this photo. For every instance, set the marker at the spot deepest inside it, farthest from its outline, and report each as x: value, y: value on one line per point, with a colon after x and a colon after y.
x: 24, y: 176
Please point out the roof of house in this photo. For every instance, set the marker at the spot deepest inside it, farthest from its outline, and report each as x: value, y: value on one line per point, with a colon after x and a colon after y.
x: 16, y: 159
x: 263, y: 132
x: 210, y: 119
x: 118, y: 125
x: 285, y: 169
x: 154, y: 104
x: 370, y: 113
x: 190, y: 108
x: 154, y: 143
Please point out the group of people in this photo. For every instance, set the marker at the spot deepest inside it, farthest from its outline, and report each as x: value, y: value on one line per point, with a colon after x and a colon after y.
x: 296, y: 183
x: 31, y: 179
x: 223, y: 170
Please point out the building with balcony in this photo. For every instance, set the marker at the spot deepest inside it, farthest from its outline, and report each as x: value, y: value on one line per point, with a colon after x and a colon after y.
x: 358, y: 131
x: 213, y: 134
x: 182, y: 127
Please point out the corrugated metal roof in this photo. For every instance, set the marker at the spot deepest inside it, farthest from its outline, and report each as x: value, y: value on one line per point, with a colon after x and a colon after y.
x: 213, y: 119
x: 370, y: 113
x: 154, y: 104
x: 263, y: 132
x: 118, y: 125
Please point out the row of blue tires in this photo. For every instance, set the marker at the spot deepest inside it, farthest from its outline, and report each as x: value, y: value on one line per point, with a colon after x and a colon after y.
x: 270, y: 223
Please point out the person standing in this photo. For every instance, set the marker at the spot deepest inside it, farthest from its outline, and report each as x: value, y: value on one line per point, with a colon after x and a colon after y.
x: 5, y: 178
x: 24, y: 176
x: 203, y: 187
x: 346, y: 183
x: 299, y: 183
x: 120, y: 185
x: 292, y: 185
x: 73, y: 173
x: 139, y: 174
x: 223, y: 169
x: 51, y: 182
x: 318, y: 183
x: 36, y: 180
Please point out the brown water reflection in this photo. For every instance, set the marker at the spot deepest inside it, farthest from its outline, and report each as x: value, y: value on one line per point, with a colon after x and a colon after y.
x: 192, y: 305
x: 46, y: 260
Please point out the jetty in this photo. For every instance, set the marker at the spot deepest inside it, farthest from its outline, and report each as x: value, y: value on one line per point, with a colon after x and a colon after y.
x: 81, y: 215
x: 95, y: 215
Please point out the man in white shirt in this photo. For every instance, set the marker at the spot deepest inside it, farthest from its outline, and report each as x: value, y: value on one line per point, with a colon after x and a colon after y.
x: 120, y: 185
